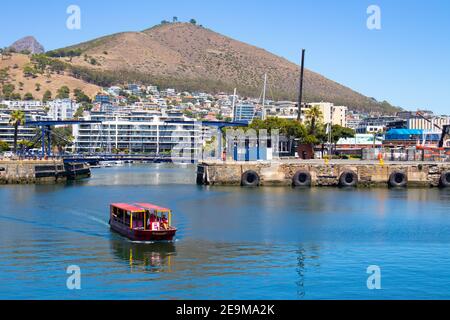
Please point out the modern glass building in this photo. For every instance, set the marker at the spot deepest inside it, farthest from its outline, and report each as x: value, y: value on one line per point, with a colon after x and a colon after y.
x: 244, y: 113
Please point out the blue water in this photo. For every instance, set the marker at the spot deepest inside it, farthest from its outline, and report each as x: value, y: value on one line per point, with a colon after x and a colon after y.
x: 233, y: 243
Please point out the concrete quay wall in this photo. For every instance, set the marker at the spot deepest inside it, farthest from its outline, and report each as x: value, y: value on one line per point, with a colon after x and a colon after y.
x: 366, y: 173
x: 32, y: 171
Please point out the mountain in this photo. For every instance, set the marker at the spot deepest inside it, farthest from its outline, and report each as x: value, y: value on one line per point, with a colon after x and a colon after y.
x: 29, y: 44
x: 191, y: 57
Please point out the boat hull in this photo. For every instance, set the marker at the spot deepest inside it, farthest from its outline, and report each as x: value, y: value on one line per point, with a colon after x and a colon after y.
x: 143, y: 235
x: 77, y: 171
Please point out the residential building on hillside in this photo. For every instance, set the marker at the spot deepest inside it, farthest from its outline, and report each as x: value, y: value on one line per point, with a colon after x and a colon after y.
x: 62, y: 109
x: 23, y: 105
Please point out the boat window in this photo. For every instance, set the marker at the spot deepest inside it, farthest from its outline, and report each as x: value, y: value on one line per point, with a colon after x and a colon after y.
x: 127, y: 217
x: 138, y: 221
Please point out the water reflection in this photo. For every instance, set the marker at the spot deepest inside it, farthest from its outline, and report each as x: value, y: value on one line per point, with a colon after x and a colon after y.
x: 301, y: 273
x: 151, y: 257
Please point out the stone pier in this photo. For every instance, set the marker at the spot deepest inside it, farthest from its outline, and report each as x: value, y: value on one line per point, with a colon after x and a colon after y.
x: 319, y: 173
x: 32, y: 171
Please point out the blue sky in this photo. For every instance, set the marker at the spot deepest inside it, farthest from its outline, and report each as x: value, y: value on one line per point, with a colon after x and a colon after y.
x: 407, y: 62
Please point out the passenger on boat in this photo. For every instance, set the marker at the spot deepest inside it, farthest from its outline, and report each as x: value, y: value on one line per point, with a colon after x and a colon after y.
x: 150, y: 220
x: 165, y: 222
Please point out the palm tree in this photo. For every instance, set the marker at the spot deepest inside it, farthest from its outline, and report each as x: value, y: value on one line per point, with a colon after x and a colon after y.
x: 17, y: 119
x: 313, y: 117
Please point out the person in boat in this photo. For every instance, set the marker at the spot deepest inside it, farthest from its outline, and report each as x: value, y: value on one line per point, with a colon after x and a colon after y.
x: 152, y: 218
x: 165, y: 222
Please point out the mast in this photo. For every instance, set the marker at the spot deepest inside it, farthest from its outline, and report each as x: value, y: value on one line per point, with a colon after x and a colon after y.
x: 234, y: 103
x: 264, y: 98
x: 300, y: 97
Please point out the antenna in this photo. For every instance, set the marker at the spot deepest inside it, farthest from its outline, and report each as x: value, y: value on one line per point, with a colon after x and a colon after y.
x: 300, y: 97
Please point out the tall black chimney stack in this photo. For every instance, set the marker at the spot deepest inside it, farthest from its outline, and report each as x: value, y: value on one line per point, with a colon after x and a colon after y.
x: 300, y: 96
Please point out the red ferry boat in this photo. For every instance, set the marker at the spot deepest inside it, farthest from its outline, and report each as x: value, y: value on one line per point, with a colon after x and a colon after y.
x: 144, y: 222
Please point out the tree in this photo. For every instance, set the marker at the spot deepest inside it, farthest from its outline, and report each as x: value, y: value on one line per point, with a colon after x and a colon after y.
x: 4, y: 146
x: 286, y: 127
x: 4, y: 75
x: 62, y: 137
x: 63, y: 93
x: 24, y: 145
x: 29, y: 71
x: 80, y: 96
x: 21, y: 84
x: 15, y: 96
x: 188, y: 113
x: 79, y: 113
x: 193, y: 21
x: 338, y: 132
x: 7, y: 90
x: 175, y: 19
x: 17, y: 119
x: 28, y: 97
x: 47, y: 96
x: 38, y: 86
x: 132, y: 99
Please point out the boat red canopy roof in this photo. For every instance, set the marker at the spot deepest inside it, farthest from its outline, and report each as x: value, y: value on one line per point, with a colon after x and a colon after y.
x: 150, y: 206
x: 127, y: 207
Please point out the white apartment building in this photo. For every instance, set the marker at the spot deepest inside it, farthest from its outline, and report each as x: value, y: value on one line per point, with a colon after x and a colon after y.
x: 23, y: 105
x: 339, y: 115
x: 336, y: 115
x: 7, y: 130
x: 282, y: 109
x: 62, y: 109
x: 138, y: 132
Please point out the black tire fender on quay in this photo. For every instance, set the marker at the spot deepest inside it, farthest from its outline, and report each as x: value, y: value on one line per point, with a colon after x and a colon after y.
x: 398, y: 179
x: 301, y: 178
x: 250, y: 179
x: 445, y: 179
x: 348, y: 178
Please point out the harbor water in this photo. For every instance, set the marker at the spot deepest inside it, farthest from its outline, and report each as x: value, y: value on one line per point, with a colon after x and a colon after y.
x: 232, y: 243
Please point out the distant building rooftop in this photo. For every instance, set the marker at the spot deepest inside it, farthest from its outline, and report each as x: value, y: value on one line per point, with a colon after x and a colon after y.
x: 360, y: 139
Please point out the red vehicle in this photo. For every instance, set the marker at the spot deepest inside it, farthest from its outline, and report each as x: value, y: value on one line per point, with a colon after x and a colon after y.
x: 142, y: 222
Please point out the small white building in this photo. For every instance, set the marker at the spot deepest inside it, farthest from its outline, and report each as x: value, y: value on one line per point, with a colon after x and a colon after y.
x: 22, y: 105
x: 62, y: 109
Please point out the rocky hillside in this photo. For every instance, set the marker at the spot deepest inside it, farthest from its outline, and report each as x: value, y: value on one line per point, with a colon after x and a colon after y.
x: 27, y: 44
x: 14, y: 71
x: 188, y: 56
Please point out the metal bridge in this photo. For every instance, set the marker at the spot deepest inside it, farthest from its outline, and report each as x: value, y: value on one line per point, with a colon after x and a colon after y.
x: 46, y: 131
